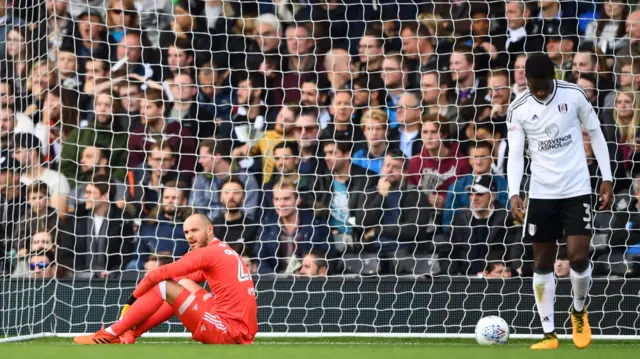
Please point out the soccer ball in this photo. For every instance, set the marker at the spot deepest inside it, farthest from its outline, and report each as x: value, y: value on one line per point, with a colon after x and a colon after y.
x: 492, y: 330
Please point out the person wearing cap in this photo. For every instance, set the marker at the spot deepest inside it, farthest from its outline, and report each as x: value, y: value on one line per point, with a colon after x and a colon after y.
x: 13, y: 206
x: 27, y: 152
x: 560, y: 44
x: 479, y: 230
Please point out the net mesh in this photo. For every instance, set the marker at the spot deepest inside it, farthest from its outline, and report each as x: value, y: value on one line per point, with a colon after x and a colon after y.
x: 331, y: 139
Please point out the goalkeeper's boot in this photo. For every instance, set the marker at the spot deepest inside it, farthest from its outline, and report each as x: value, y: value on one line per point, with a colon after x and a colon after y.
x: 581, y: 328
x: 550, y: 341
x: 101, y: 337
x: 129, y: 337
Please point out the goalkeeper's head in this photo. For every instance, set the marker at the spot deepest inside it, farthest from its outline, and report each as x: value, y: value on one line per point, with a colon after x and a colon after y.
x: 540, y: 72
x: 198, y: 230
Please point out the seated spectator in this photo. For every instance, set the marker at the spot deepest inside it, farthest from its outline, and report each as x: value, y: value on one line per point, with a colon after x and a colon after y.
x: 419, y: 48
x: 308, y: 138
x: 162, y: 230
x: 247, y: 121
x: 368, y: 94
x: 561, y: 266
x: 263, y: 149
x: 341, y: 124
x: 519, y: 76
x: 626, y: 116
x: 408, y: 118
x: 497, y: 269
x: 396, y: 83
x: 439, y: 164
x: 314, y: 264
x: 97, y: 240
x: 42, y: 265
x: 27, y: 152
x: 13, y: 206
x: 500, y: 95
x: 96, y: 71
x: 338, y: 191
x: 379, y: 140
x: 286, y: 159
x: 479, y: 230
x: 154, y: 125
x: 337, y: 63
x: 130, y: 96
x: 492, y: 133
x: 470, y: 88
x: 94, y: 161
x: 621, y: 181
x: 96, y: 40
x: 186, y: 110
x: 55, y: 118
x: 608, y: 32
x: 40, y: 215
x: 157, y: 260
x: 68, y: 64
x: 434, y: 87
x: 288, y: 233
x: 314, y: 94
x: 480, y: 161
x: 10, y: 124
x: 520, y: 36
x: 393, y: 219
x: 102, y: 131
x: 233, y: 226
x: 212, y: 93
x: 45, y: 240
x: 145, y: 182
x: 215, y: 159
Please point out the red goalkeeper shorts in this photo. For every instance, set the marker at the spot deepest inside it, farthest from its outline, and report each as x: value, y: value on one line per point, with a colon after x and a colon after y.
x: 196, y: 311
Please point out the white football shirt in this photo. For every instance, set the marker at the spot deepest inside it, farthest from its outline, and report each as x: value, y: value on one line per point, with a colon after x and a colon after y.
x: 553, y: 129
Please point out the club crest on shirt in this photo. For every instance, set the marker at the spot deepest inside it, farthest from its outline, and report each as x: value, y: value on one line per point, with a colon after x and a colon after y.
x: 552, y: 130
x: 532, y: 229
x: 562, y: 108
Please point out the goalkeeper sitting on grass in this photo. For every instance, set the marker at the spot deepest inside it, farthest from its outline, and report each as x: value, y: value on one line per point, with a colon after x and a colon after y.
x: 227, y: 315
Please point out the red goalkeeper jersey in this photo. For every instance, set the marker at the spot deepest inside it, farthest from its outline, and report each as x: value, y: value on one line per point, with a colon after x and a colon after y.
x: 227, y: 276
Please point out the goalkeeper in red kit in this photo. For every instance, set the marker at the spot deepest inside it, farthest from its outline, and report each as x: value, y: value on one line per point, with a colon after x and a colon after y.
x: 227, y: 315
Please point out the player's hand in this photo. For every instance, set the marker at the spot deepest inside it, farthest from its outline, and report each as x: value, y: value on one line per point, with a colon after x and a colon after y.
x: 517, y: 208
x: 606, y: 195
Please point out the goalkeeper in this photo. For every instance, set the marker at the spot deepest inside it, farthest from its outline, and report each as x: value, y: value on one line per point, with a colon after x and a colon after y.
x: 227, y: 315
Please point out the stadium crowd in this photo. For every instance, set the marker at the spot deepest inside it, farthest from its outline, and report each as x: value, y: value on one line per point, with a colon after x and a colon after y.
x: 320, y: 137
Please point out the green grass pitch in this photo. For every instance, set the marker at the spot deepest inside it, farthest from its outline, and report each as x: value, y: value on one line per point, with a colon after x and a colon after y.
x: 328, y: 348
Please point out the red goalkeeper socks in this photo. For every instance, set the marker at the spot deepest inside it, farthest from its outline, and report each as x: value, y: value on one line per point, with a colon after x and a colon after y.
x: 160, y: 316
x: 142, y: 309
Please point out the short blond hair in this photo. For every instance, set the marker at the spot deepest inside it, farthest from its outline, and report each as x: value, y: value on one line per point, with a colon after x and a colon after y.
x: 378, y: 115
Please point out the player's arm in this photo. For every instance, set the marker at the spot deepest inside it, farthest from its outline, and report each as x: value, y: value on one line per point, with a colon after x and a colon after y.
x: 192, y: 262
x: 591, y: 123
x: 515, y: 166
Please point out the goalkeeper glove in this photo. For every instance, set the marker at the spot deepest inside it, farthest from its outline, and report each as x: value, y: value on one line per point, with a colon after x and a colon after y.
x: 124, y: 310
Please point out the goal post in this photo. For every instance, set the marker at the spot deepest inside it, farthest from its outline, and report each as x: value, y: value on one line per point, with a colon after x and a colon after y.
x: 334, y: 145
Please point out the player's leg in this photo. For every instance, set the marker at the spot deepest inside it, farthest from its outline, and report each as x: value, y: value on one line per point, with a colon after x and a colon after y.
x: 162, y: 315
x: 543, y: 229
x: 578, y: 224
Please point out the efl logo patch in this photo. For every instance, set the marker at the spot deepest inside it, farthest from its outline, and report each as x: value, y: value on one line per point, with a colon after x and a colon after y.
x: 563, y: 108
x: 532, y: 229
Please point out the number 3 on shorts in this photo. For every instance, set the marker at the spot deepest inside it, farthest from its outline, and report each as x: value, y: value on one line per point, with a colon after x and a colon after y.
x: 242, y: 275
x: 587, y: 219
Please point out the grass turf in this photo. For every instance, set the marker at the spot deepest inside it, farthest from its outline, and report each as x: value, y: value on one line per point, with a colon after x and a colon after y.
x: 333, y: 348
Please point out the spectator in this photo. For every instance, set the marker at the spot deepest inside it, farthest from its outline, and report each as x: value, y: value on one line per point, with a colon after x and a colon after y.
x: 561, y: 266
x: 434, y: 87
x: 481, y: 164
x: 179, y: 57
x: 68, y: 64
x: 247, y: 123
x: 519, y: 77
x: 40, y: 216
x: 308, y: 138
x: 283, y: 131
x: 215, y: 159
x: 212, y: 93
x: 157, y: 260
x: 497, y: 270
x: 560, y: 46
x: 393, y: 218
x: 520, y: 36
x: 435, y: 169
x: 337, y: 63
x: 102, y: 131
x: 154, y: 125
x: 96, y: 71
x: 134, y: 56
x: 94, y: 161
x: 314, y: 94
x: 481, y: 229
x: 96, y: 41
x: 375, y: 129
x: 130, y: 95
x: 288, y: 233
x: 626, y: 115
x: 186, y: 110
x: 608, y: 32
x: 368, y: 93
x: 27, y: 152
x: 338, y: 191
x: 314, y: 264
x: 145, y: 181
x: 233, y: 226
x: 470, y: 89
x: 371, y: 52
x: 286, y: 156
x: 11, y: 124
x: 42, y: 265
x: 122, y: 16
x: 13, y: 204
x: 500, y: 95
x: 98, y: 237
x: 632, y: 48
x: 268, y: 33
x: 418, y: 47
x: 408, y: 117
x: 621, y: 181
x: 56, y: 117
x: 41, y: 241
x: 162, y: 230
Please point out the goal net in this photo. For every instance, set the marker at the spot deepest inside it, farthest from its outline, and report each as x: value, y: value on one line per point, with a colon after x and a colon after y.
x: 354, y: 153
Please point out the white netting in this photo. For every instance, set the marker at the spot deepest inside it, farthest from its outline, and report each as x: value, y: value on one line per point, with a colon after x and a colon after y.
x: 120, y: 118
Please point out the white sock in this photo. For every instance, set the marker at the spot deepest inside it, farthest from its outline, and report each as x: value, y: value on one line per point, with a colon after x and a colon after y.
x: 110, y: 331
x: 544, y: 289
x: 580, y: 285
